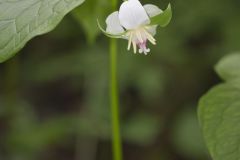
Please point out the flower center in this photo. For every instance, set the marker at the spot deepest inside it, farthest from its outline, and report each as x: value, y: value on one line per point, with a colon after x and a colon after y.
x: 139, y: 38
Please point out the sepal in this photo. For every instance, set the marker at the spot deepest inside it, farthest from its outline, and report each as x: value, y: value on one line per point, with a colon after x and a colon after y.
x: 162, y: 19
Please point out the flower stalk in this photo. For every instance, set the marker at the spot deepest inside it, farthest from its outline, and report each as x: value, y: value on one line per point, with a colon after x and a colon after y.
x: 116, y: 133
x: 116, y: 136
x: 138, y: 24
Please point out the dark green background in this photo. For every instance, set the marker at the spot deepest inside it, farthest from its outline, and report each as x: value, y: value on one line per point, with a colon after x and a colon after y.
x: 54, y: 101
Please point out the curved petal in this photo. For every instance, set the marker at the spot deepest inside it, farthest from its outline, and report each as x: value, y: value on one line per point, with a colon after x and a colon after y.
x: 152, y: 10
x: 152, y: 29
x: 113, y: 24
x: 132, y: 15
x: 120, y: 35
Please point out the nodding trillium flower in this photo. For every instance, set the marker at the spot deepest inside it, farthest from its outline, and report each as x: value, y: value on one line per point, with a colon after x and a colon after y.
x: 137, y: 24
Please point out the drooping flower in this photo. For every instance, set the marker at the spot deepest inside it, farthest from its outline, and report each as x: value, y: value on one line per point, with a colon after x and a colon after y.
x: 137, y: 24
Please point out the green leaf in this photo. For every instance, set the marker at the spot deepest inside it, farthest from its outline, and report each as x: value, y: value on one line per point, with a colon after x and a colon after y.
x: 229, y: 67
x: 164, y: 18
x: 22, y: 20
x: 219, y: 112
x: 219, y: 115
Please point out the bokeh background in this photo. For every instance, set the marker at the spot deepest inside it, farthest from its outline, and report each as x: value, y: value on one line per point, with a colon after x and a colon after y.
x: 54, y: 99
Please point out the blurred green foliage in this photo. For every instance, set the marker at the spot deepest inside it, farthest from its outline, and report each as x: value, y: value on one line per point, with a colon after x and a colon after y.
x: 88, y: 14
x: 54, y: 96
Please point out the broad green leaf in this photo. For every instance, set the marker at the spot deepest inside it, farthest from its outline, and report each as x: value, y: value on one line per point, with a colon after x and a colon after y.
x: 229, y: 67
x: 21, y: 20
x: 164, y: 18
x: 219, y: 115
x: 219, y: 112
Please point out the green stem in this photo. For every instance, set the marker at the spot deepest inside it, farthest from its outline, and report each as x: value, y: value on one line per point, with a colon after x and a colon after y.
x: 116, y: 136
x: 116, y: 133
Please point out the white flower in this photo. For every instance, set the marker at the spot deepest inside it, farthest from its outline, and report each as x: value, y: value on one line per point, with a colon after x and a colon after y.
x: 132, y: 22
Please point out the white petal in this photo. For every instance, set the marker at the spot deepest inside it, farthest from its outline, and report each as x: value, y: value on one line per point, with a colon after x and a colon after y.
x: 132, y: 15
x: 152, y: 30
x: 152, y: 10
x: 113, y: 24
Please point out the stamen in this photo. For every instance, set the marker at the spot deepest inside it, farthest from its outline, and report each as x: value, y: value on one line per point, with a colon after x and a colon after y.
x: 130, y: 41
x: 150, y: 37
x: 134, y: 47
x: 139, y: 36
